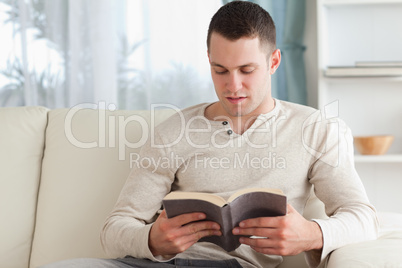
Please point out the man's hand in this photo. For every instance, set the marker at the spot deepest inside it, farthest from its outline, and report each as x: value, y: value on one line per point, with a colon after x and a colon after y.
x: 285, y: 235
x: 175, y: 235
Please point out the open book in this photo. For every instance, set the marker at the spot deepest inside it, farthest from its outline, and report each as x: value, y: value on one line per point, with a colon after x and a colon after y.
x: 244, y: 204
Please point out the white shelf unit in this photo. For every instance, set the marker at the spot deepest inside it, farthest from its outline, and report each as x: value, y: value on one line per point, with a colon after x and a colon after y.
x: 349, y: 31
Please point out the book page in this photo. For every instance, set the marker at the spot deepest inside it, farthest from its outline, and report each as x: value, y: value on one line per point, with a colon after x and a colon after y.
x: 250, y: 190
x: 214, y: 199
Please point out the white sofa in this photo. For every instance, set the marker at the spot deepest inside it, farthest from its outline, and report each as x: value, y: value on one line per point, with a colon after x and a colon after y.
x: 62, y: 170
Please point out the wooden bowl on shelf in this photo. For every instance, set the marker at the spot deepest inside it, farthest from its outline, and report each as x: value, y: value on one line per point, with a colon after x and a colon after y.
x: 373, y: 145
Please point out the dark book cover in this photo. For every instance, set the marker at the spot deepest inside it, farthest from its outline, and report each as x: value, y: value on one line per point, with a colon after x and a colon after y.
x: 228, y: 216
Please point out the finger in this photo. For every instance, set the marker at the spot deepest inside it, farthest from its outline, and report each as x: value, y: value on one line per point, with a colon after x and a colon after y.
x: 190, y: 235
x: 192, y: 232
x: 163, y: 215
x: 197, y: 227
x: 184, y: 219
x: 262, y: 232
x: 194, y: 237
x: 267, y: 222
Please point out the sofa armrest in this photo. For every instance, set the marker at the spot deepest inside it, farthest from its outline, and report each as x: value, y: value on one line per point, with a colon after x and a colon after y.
x: 22, y: 140
x: 382, y: 252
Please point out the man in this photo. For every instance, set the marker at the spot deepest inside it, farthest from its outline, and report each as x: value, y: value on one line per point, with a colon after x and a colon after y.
x: 244, y: 126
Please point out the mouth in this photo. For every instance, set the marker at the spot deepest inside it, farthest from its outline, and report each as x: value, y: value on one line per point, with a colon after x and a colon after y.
x: 235, y: 100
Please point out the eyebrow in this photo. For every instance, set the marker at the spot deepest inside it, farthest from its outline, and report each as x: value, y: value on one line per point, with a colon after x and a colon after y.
x: 241, y: 66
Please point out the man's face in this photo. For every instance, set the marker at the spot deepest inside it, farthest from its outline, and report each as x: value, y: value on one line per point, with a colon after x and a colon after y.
x: 242, y: 75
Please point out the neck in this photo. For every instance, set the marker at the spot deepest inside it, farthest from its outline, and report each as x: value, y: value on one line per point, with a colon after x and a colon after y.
x: 239, y: 124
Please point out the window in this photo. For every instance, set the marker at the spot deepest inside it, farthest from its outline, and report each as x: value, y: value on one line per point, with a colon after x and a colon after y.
x: 129, y: 53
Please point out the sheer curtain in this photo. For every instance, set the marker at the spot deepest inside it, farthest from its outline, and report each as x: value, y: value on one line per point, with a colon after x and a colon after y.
x: 167, y: 53
x: 62, y: 53
x: 58, y: 53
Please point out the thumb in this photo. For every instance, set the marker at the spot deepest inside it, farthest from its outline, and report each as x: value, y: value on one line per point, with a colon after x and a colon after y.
x: 163, y: 215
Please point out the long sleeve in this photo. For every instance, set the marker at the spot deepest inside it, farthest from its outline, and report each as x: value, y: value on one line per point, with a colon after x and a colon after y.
x: 336, y: 183
x: 126, y: 230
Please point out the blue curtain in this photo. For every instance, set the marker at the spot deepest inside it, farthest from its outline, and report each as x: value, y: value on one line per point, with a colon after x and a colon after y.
x: 289, y: 81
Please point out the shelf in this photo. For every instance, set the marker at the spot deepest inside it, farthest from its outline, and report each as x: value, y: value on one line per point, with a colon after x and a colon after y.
x: 387, y: 158
x: 359, y: 79
x: 359, y: 2
x: 351, y: 31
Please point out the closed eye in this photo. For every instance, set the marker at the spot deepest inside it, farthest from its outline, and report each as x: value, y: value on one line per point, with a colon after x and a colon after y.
x: 223, y: 72
x: 220, y: 70
x: 247, y: 70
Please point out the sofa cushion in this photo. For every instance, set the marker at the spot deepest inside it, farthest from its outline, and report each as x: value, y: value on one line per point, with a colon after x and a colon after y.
x: 86, y: 162
x: 22, y: 137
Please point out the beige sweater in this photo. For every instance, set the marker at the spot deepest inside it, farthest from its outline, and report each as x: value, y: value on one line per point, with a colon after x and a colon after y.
x: 291, y: 148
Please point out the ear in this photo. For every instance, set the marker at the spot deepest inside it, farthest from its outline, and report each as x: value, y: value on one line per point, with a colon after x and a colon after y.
x: 274, y: 61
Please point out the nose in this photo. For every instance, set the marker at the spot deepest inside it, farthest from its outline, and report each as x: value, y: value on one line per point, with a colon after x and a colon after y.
x: 234, y: 82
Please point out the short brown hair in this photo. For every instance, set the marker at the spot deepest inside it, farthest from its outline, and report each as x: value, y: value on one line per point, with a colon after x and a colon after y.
x: 239, y: 19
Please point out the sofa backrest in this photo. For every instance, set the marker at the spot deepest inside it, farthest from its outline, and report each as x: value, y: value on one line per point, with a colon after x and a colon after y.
x: 85, y: 164
x: 22, y: 140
